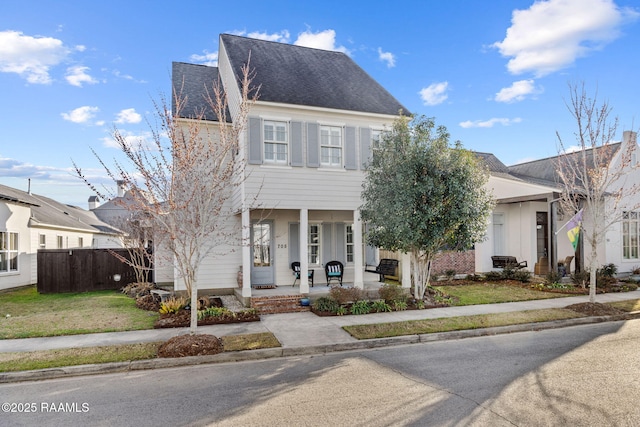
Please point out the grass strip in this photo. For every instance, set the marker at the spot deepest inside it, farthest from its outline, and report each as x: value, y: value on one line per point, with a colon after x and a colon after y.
x: 627, y: 305
x: 488, y: 293
x: 26, y: 361
x: 447, y: 324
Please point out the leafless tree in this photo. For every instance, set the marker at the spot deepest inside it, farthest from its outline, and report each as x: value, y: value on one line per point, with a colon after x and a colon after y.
x: 593, y: 174
x: 184, y: 179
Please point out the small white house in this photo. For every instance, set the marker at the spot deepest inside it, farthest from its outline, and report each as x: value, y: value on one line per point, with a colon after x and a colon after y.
x: 29, y: 222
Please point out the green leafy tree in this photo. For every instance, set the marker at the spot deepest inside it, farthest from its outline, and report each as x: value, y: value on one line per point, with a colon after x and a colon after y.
x: 423, y: 195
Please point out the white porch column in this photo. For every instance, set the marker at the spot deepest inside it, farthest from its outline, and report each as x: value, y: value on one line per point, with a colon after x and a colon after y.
x: 303, y: 233
x: 358, y: 264
x: 406, y: 270
x: 246, y: 253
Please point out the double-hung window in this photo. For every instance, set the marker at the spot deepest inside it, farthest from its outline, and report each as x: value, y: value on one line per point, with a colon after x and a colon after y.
x: 42, y: 241
x: 314, y: 244
x: 630, y: 234
x: 8, y: 251
x: 331, y: 146
x: 276, y: 142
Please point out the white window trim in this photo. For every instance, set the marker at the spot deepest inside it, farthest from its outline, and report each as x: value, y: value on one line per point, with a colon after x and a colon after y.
x: 42, y: 245
x: 286, y: 143
x: 636, y: 223
x: 347, y: 244
x: 319, y: 244
x: 10, y: 251
x: 333, y: 147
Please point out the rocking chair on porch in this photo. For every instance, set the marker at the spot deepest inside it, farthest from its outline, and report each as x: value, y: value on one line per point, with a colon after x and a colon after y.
x: 334, y: 271
x: 295, y: 266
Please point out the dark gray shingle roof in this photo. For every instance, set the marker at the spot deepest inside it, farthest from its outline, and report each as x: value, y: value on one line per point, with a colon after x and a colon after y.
x: 46, y: 211
x: 304, y: 76
x: 192, y: 82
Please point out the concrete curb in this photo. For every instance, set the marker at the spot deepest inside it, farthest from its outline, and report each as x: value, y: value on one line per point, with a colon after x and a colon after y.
x: 270, y: 353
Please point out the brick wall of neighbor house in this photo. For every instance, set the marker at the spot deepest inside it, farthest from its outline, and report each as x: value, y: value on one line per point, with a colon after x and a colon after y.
x: 461, y: 262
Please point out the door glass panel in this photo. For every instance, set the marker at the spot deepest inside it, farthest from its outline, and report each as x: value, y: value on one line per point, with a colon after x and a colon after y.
x: 262, y: 245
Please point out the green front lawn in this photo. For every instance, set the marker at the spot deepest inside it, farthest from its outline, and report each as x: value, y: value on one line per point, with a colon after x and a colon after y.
x: 491, y: 293
x: 24, y: 313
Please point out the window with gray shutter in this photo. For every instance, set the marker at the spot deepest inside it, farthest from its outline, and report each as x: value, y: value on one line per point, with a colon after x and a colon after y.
x: 313, y: 150
x: 255, y: 141
x: 350, y: 161
x: 365, y: 147
x: 296, y: 144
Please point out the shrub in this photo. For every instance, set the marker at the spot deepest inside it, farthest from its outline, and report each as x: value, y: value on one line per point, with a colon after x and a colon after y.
x: 392, y: 292
x: 214, y: 312
x: 580, y: 278
x: 552, y: 277
x: 380, y: 306
x: 325, y: 304
x: 522, y: 275
x: 607, y: 270
x: 360, y: 307
x: 147, y: 302
x: 173, y: 305
x: 345, y: 295
x: 137, y: 290
x: 450, y: 274
x: 341, y: 311
x: 493, y: 275
x: 400, y: 305
x: 475, y: 277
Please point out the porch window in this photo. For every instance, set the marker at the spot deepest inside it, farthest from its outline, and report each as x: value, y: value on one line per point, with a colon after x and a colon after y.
x: 331, y: 146
x: 314, y: 244
x: 276, y: 142
x: 349, y: 242
x: 630, y: 231
x: 8, y: 251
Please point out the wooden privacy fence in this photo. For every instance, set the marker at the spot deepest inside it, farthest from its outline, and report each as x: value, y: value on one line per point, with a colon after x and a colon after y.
x: 82, y: 270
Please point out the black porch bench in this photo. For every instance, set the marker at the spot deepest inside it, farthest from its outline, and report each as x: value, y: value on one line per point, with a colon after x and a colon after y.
x: 504, y: 261
x: 387, y: 267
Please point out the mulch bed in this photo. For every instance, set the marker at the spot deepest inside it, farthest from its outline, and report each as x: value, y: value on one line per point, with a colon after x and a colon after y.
x: 183, y: 319
x: 191, y: 345
x: 595, y: 309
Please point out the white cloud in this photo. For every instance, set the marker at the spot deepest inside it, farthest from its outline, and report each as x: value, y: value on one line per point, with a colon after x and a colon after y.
x: 281, y: 37
x: 387, y: 57
x: 321, y: 40
x: 435, y: 93
x: 30, y: 57
x: 552, y: 34
x: 207, y: 58
x: 128, y: 115
x: 489, y: 123
x: 77, y: 75
x: 81, y: 114
x: 518, y: 91
x: 143, y: 140
x: 12, y: 168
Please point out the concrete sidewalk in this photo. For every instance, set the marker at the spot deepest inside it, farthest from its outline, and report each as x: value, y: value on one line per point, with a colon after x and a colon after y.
x: 297, y: 330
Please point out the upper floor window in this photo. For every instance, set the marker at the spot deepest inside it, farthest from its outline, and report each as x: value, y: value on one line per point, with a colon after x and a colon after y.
x: 276, y: 142
x: 8, y: 251
x: 376, y: 136
x: 331, y: 146
x: 630, y: 234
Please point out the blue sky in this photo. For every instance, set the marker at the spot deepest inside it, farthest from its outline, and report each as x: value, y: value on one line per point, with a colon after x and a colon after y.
x: 495, y: 73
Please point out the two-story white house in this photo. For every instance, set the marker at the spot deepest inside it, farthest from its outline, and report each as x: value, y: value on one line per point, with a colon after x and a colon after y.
x: 308, y: 139
x: 29, y: 222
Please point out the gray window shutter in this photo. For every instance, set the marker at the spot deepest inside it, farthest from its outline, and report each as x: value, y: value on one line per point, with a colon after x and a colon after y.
x: 341, y: 245
x: 327, y: 243
x: 294, y: 242
x: 365, y: 146
x: 255, y: 141
x: 296, y: 144
x: 350, y: 161
x: 313, y: 146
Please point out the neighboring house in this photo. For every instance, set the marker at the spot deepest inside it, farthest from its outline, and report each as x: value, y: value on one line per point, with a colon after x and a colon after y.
x: 29, y: 222
x: 309, y: 137
x: 621, y: 244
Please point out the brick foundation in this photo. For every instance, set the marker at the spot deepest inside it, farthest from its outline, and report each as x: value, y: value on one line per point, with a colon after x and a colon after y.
x: 460, y: 262
x: 278, y: 304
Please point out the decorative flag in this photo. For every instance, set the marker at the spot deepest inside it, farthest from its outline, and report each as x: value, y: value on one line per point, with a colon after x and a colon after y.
x: 573, y: 229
